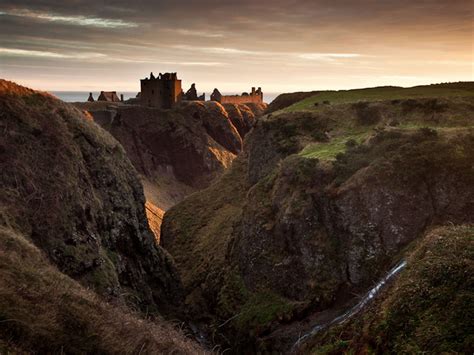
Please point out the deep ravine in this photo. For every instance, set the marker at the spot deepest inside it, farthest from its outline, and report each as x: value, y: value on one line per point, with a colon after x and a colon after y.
x: 352, y: 311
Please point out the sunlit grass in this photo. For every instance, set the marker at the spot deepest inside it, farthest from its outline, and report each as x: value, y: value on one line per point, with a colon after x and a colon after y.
x: 329, y: 151
x: 375, y: 94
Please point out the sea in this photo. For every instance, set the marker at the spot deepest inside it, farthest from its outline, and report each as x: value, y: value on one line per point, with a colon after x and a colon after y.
x: 81, y: 96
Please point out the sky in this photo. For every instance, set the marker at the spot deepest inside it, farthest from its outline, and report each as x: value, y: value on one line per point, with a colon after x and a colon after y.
x: 280, y: 45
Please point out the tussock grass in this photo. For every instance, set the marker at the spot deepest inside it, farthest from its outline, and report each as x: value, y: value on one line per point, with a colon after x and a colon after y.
x: 42, y: 310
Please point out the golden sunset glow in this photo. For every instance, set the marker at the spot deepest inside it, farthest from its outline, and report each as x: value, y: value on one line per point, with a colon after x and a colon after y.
x: 282, y: 46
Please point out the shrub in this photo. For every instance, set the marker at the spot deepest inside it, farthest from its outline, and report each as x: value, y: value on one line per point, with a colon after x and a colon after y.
x: 366, y: 114
x: 351, y: 143
x: 427, y: 132
x: 426, y: 106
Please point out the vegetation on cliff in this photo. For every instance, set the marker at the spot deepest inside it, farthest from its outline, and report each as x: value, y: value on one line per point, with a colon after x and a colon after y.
x: 72, y: 208
x: 324, y: 98
x: 44, y: 311
x: 403, y: 164
x: 427, y: 309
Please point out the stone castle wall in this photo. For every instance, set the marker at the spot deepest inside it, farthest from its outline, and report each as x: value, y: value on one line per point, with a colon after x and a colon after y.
x: 255, y: 96
x: 241, y: 99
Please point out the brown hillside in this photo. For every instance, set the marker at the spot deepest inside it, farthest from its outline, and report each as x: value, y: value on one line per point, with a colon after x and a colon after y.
x: 68, y: 186
x: 44, y: 311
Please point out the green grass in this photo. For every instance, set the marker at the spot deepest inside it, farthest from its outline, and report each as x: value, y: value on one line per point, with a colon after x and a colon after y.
x: 381, y: 93
x: 260, y: 309
x: 329, y: 151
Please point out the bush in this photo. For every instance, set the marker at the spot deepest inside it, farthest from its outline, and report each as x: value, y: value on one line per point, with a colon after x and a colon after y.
x: 366, y: 114
x: 427, y: 132
x: 351, y: 143
x: 426, y: 106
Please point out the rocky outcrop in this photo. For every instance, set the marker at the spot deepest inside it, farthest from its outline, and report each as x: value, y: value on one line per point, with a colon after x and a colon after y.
x: 194, y: 142
x: 243, y: 117
x: 337, y: 237
x: 181, y: 150
x: 69, y: 187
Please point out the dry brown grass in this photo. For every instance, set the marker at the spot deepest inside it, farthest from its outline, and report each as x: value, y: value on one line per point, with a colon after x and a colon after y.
x: 42, y: 310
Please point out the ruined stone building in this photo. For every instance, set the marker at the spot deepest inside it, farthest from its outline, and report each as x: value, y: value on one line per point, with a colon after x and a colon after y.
x: 255, y: 96
x: 110, y: 96
x: 191, y: 94
x: 163, y: 91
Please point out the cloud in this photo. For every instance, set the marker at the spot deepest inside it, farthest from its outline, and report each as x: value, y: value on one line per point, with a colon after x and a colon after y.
x: 46, y: 54
x: 328, y: 56
x: 197, y: 33
x: 274, y: 42
x: 195, y: 64
x: 270, y: 54
x: 70, y: 20
x: 217, y: 50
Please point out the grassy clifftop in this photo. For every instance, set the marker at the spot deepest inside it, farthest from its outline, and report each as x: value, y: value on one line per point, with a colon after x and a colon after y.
x: 321, y: 98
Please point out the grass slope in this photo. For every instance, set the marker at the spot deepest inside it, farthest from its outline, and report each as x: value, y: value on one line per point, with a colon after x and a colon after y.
x: 350, y: 124
x: 44, y: 311
x: 382, y: 93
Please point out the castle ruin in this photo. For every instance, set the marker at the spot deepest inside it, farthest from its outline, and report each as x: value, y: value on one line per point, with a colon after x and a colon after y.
x: 109, y: 96
x: 255, y: 96
x: 165, y: 92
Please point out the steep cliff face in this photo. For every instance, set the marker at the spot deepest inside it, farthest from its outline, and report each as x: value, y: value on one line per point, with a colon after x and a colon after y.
x: 336, y: 235
x: 195, y: 142
x: 68, y: 186
x: 316, y: 208
x: 177, y: 151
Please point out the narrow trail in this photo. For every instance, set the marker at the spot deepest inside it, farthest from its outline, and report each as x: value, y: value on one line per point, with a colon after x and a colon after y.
x: 369, y: 296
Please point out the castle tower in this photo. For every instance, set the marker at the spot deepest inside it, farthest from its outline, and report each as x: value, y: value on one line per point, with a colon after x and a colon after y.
x: 216, y: 95
x: 163, y: 91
